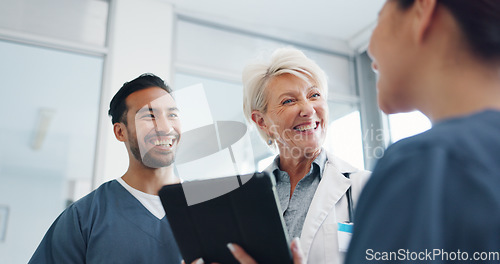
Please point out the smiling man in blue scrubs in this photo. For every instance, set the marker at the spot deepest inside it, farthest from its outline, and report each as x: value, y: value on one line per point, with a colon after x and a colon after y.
x: 123, y: 220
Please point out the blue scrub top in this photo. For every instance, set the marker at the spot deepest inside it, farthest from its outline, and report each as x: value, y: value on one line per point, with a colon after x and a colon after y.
x: 436, y: 192
x: 108, y: 226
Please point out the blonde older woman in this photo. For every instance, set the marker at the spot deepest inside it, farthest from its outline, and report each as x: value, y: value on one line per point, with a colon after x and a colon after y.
x: 438, y: 191
x: 286, y: 98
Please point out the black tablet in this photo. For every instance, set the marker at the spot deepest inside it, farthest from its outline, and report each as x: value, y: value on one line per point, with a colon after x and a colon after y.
x: 206, y: 215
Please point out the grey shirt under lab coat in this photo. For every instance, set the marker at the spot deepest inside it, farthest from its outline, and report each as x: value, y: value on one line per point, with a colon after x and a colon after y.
x: 294, y: 209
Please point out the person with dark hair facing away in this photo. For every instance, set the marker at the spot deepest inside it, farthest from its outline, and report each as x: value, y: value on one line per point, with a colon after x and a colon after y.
x: 434, y: 197
x: 123, y: 220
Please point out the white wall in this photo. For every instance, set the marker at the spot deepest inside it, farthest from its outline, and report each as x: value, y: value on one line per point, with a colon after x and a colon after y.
x: 140, y: 40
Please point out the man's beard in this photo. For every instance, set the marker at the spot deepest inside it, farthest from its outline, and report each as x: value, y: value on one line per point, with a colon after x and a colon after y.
x: 148, y: 160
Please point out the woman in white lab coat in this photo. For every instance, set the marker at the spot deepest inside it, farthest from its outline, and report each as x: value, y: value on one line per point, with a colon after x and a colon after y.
x: 286, y: 98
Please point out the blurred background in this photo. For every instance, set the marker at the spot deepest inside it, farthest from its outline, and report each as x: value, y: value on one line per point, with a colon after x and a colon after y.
x: 61, y: 61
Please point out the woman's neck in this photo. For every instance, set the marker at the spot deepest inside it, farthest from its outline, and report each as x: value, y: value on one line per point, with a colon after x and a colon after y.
x: 462, y: 90
x: 297, y: 165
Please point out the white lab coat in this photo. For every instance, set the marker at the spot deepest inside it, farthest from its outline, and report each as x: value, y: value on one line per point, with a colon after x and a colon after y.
x: 319, y: 239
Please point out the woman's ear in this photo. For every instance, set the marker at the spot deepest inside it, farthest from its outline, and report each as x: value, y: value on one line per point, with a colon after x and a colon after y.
x: 258, y: 119
x: 425, y: 11
x: 120, y: 131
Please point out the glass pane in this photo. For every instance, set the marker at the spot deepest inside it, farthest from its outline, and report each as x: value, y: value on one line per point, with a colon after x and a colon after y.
x: 338, y: 71
x: 228, y: 52
x: 49, y: 110
x: 222, y: 102
x: 344, y: 133
x: 407, y: 124
x: 225, y: 98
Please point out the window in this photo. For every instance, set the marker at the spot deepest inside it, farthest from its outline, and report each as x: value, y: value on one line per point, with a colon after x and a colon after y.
x: 405, y: 125
x: 49, y: 111
x: 203, y: 101
x: 344, y: 133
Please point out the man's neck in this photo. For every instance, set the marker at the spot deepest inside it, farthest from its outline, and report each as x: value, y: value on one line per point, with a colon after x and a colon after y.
x: 149, y: 180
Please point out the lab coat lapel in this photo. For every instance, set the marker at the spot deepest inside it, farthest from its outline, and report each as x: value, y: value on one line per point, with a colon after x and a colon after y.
x: 332, y: 187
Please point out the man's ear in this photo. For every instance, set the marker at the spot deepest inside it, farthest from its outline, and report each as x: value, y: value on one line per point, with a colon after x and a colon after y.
x: 120, y: 131
x: 425, y: 11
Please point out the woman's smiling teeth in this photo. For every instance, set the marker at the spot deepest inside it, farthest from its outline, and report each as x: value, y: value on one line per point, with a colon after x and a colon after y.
x: 303, y: 128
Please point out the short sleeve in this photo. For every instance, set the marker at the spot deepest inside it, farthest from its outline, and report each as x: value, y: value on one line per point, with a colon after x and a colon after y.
x: 63, y: 242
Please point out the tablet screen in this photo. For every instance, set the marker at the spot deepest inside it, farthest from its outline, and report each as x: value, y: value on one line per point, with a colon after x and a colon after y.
x: 206, y: 215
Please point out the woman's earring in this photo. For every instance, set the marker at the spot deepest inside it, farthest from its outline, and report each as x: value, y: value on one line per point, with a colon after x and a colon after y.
x: 269, y: 142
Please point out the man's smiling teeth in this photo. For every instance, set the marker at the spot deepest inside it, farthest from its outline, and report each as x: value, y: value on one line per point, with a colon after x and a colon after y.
x: 163, y: 142
x: 308, y: 127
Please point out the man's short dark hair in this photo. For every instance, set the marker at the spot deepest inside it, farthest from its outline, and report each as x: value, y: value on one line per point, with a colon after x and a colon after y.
x: 118, y: 108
